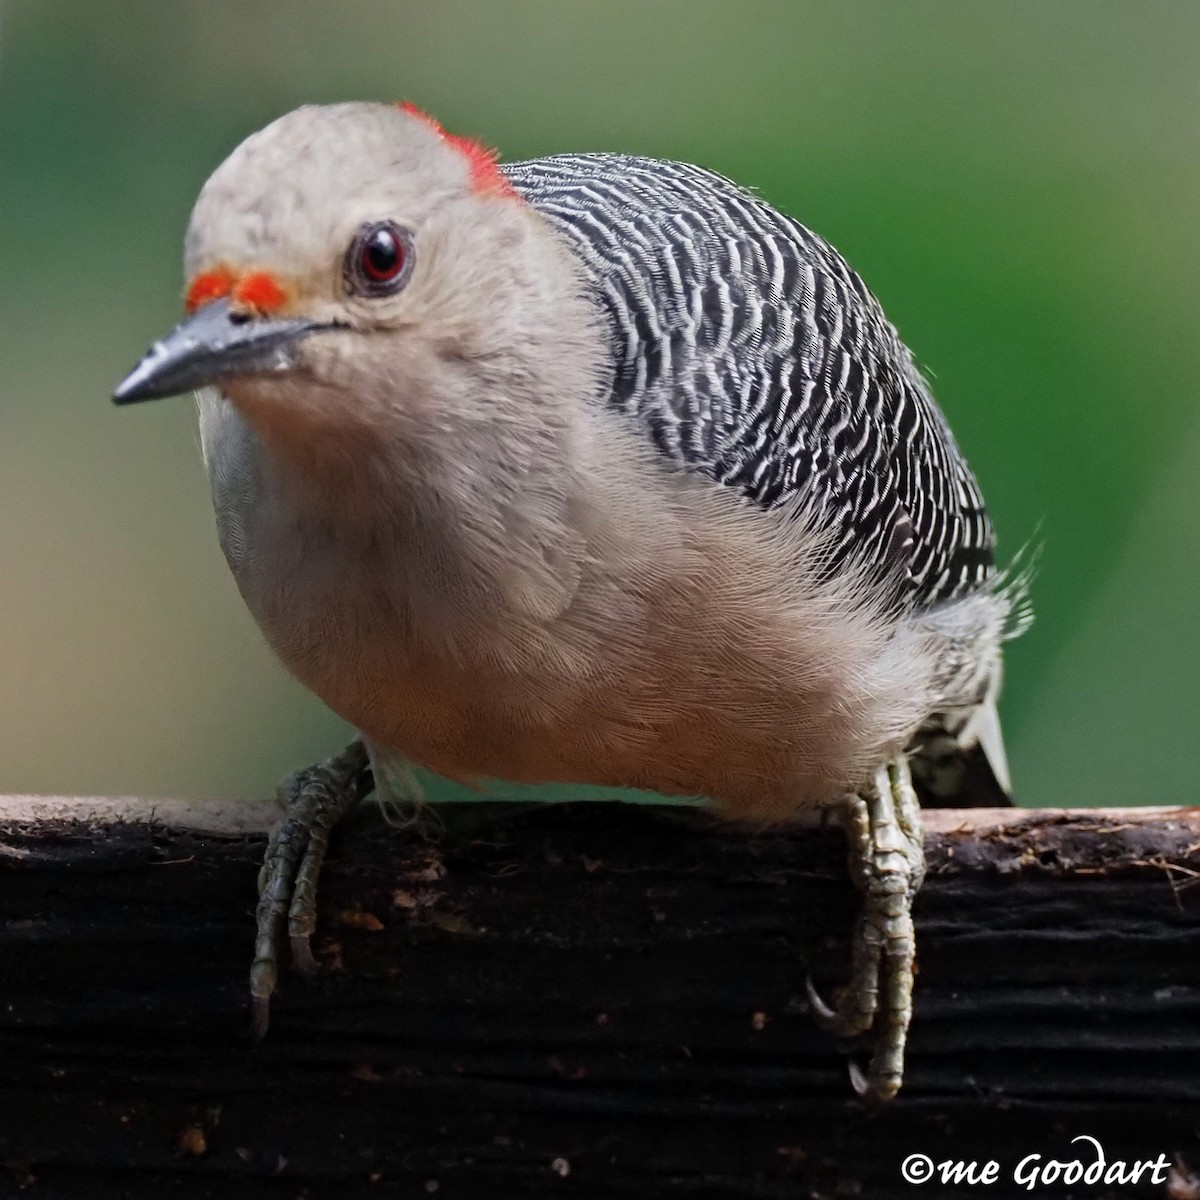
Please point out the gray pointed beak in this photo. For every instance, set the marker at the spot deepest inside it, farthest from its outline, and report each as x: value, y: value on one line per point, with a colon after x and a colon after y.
x: 214, y: 343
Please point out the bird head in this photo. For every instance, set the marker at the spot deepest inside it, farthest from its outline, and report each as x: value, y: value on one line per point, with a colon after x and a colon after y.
x: 354, y: 261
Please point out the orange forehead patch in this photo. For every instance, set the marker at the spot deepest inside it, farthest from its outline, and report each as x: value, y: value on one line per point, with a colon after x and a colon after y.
x: 258, y: 290
x: 486, y: 177
x: 261, y: 292
x: 207, y: 287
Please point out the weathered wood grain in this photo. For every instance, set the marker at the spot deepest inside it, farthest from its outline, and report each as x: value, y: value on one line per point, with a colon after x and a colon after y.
x: 598, y: 1001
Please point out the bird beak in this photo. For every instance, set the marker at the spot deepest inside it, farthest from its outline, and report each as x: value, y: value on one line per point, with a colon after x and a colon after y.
x: 214, y: 343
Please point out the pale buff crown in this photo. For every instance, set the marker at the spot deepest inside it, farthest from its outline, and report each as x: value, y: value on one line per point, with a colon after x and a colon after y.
x: 290, y: 197
x: 492, y: 291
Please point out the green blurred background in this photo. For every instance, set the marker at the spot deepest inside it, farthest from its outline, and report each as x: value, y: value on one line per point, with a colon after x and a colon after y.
x: 1018, y: 182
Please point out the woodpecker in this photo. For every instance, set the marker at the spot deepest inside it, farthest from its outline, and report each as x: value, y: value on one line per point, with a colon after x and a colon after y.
x: 589, y: 469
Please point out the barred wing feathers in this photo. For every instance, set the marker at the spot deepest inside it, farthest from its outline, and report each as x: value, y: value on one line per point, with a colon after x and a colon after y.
x: 748, y: 348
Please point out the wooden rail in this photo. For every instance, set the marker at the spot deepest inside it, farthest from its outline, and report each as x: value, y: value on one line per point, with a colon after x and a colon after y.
x: 589, y: 1000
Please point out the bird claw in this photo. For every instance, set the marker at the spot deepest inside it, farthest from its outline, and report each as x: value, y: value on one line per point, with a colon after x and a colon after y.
x: 824, y: 1016
x: 303, y: 959
x: 847, y: 1017
x: 859, y: 1081
x: 317, y: 798
x: 260, y: 1009
x: 883, y: 828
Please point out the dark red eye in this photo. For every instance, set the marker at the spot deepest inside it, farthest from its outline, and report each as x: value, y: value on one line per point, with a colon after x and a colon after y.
x: 382, y: 256
x: 380, y: 260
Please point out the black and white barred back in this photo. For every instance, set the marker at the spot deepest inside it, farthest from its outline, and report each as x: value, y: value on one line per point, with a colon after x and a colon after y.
x: 749, y: 349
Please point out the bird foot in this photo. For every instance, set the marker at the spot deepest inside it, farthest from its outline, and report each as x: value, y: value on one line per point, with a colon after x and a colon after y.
x: 887, y: 864
x: 316, y: 799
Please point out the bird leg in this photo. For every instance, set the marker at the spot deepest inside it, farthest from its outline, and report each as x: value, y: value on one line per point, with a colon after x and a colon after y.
x: 316, y: 799
x: 887, y: 865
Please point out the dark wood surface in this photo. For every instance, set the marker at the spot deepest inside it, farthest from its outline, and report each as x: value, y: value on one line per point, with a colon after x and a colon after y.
x: 598, y: 1001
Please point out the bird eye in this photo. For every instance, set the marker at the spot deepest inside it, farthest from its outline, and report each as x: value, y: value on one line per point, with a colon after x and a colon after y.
x: 380, y: 260
x: 382, y: 256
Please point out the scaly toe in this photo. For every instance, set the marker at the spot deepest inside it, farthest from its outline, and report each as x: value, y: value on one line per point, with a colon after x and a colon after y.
x: 317, y: 798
